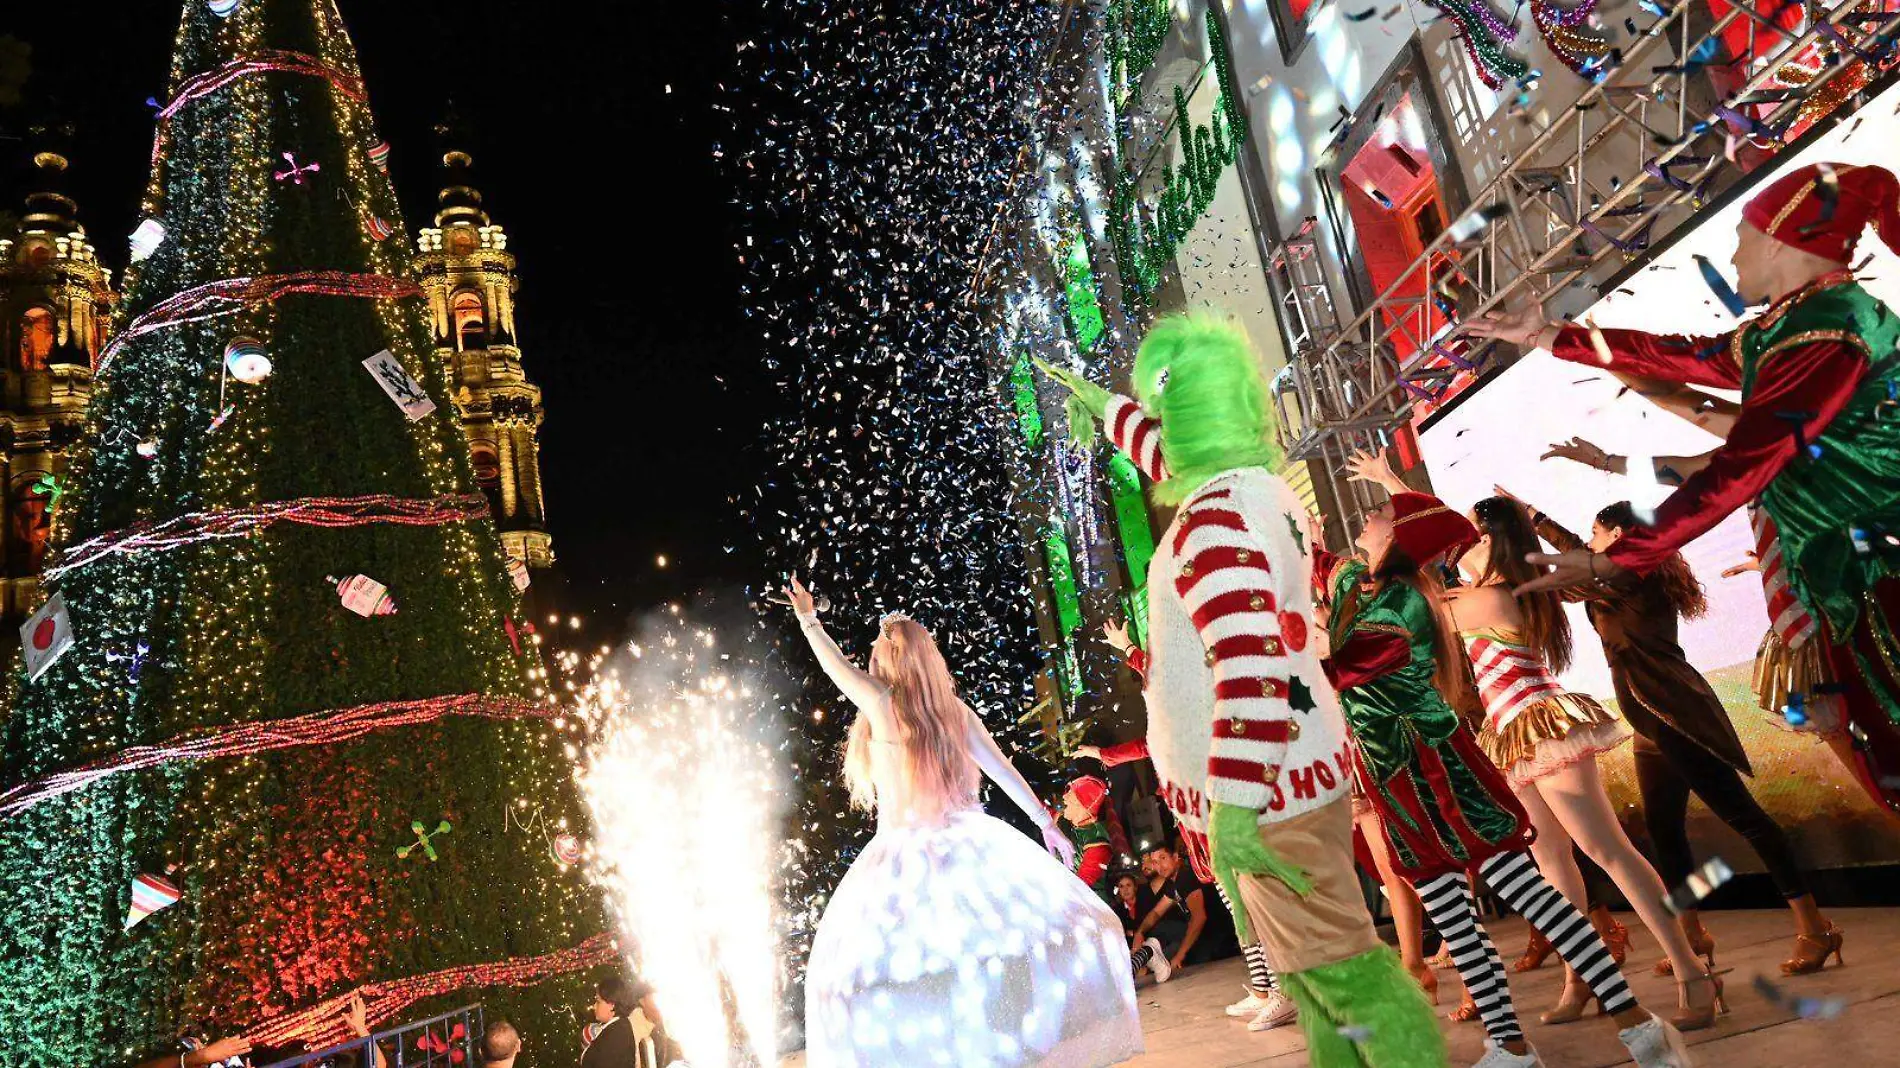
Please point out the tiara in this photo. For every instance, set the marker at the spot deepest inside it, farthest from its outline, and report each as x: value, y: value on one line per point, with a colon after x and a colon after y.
x: 893, y: 617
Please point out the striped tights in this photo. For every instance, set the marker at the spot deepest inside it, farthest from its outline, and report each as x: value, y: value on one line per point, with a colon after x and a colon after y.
x: 1515, y: 879
x: 1259, y: 973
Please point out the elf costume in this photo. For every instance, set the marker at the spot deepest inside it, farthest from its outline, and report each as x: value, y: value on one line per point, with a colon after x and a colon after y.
x: 1094, y: 852
x: 1443, y: 806
x: 1817, y: 446
x: 1243, y: 728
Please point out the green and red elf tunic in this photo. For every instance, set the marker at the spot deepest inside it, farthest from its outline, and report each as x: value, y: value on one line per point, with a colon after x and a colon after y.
x: 1817, y: 443
x: 1442, y: 804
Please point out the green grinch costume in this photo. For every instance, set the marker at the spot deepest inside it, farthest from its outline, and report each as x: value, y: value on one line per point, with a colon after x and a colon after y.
x: 1244, y: 730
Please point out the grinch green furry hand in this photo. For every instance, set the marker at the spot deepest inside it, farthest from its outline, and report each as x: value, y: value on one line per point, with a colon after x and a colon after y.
x: 1086, y: 406
x: 1234, y: 840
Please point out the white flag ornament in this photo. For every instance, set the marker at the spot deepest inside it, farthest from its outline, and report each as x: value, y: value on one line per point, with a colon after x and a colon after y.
x: 405, y: 391
x: 46, y: 636
x: 364, y: 595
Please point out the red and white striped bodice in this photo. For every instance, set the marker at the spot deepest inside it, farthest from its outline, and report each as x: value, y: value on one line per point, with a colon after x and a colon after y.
x: 1510, y: 675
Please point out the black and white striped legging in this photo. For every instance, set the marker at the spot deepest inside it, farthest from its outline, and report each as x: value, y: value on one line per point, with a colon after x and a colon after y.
x: 1515, y: 879
x: 1259, y: 972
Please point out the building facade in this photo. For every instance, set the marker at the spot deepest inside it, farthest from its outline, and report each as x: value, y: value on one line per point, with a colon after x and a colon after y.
x: 468, y: 276
x: 55, y: 304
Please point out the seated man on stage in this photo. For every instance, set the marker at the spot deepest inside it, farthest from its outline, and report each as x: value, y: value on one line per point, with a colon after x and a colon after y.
x: 1816, y: 443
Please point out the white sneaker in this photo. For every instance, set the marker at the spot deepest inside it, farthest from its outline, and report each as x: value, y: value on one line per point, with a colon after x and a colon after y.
x: 1247, y: 1007
x: 1278, y: 1012
x: 1496, y: 1056
x: 1655, y: 1044
x: 1158, y: 964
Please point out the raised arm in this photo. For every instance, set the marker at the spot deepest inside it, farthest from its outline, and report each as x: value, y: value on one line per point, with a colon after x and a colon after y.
x: 1798, y: 391
x: 1137, y: 436
x: 871, y: 696
x: 990, y: 758
x: 1702, y: 361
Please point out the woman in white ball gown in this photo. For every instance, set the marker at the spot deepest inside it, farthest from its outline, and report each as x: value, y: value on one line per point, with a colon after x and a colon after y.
x: 953, y: 939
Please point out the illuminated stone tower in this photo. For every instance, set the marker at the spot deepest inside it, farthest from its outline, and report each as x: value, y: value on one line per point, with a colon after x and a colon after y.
x: 55, y: 300
x: 469, y: 275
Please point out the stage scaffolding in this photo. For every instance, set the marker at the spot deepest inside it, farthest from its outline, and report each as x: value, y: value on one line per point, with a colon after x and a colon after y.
x: 1631, y: 162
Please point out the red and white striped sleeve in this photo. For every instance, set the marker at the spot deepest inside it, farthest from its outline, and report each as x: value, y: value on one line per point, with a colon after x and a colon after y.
x: 1136, y: 435
x: 1226, y: 583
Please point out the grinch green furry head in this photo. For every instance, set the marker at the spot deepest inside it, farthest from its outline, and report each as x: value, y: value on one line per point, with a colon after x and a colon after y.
x: 1199, y: 376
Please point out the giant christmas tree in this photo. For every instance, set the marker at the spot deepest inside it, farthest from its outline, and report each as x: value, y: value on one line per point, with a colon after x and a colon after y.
x: 223, y: 722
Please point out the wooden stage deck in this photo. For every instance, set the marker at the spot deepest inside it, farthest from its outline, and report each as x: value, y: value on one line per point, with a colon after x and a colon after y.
x: 1186, y: 1029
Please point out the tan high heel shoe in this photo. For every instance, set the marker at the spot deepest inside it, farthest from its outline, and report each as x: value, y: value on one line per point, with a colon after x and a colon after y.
x: 1694, y: 1019
x: 1570, y: 1010
x: 1704, y: 947
x: 1426, y: 979
x: 1810, y: 954
x: 1466, y: 1011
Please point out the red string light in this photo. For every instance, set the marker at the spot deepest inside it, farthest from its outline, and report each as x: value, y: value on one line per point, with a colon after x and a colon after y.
x: 329, y: 727
x: 228, y: 296
x: 219, y: 523
x: 259, y: 62
x: 321, y: 1025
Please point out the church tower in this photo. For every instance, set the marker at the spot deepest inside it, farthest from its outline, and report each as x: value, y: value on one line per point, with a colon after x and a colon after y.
x: 469, y: 275
x: 55, y: 302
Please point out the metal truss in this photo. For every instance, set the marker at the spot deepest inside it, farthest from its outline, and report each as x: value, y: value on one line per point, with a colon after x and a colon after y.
x: 1632, y: 161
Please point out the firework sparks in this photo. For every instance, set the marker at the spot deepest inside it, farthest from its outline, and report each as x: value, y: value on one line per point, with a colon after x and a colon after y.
x: 685, y: 786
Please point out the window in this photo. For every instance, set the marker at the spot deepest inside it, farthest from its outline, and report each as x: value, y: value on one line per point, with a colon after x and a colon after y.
x: 471, y: 321
x: 31, y: 524
x: 1292, y: 24
x: 37, y: 336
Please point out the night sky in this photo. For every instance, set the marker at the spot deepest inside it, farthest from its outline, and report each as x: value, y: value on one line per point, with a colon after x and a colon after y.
x: 629, y: 305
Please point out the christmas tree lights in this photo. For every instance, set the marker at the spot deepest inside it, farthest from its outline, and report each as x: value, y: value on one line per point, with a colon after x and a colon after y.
x: 284, y: 856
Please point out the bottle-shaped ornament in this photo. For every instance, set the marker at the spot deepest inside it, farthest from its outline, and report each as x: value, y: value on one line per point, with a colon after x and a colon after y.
x: 364, y: 595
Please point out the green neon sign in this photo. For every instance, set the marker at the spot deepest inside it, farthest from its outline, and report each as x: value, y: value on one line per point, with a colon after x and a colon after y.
x: 1085, y: 309
x: 1146, y: 237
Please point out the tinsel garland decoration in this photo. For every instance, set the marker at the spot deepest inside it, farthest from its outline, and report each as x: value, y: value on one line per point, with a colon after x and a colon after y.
x: 329, y: 727
x: 258, y: 62
x: 323, y: 1025
x: 228, y: 296
x: 1484, y: 35
x: 219, y: 523
x: 1559, y: 30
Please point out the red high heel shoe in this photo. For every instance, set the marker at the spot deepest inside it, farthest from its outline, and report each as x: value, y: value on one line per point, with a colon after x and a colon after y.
x: 1536, y: 952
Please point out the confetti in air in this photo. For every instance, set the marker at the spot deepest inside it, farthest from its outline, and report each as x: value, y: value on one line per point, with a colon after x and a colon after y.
x: 873, y: 148
x: 1701, y: 883
x: 686, y: 787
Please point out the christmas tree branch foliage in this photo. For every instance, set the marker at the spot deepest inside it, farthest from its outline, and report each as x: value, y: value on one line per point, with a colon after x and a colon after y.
x: 292, y: 890
x: 874, y: 145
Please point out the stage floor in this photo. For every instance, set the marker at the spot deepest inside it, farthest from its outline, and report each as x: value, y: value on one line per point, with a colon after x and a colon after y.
x: 1185, y: 1028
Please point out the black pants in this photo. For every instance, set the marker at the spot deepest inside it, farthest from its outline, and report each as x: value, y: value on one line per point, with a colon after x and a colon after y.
x: 1668, y: 769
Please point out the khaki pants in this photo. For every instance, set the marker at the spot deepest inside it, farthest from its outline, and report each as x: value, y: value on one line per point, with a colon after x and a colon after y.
x: 1328, y: 925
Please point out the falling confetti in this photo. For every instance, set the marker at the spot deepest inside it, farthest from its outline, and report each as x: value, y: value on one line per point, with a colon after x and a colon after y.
x: 1701, y: 883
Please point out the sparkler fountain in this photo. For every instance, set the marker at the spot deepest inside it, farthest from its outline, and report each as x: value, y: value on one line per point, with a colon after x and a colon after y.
x: 685, y: 783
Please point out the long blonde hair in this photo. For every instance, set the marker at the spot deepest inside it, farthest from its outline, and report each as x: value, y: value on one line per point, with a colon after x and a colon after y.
x: 932, y: 727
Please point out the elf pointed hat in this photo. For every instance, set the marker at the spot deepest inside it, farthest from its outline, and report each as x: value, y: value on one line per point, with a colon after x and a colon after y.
x: 1089, y: 792
x: 1823, y: 207
x: 1423, y: 527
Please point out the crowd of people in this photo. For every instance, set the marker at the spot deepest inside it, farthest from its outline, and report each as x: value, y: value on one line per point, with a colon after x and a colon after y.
x: 1399, y: 710
x: 626, y: 1031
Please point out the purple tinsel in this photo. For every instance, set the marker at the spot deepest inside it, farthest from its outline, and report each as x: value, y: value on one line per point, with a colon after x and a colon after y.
x: 1547, y: 13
